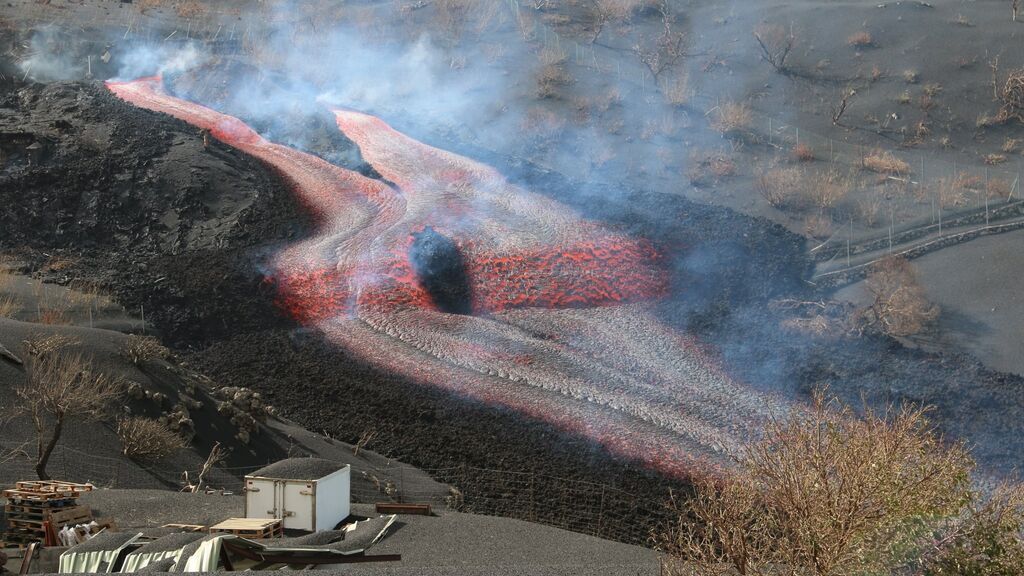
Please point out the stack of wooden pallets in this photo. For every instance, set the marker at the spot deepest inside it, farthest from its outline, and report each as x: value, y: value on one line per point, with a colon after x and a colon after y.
x: 35, y: 511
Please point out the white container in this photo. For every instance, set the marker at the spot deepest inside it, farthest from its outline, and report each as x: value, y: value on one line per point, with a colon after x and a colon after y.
x: 302, y: 503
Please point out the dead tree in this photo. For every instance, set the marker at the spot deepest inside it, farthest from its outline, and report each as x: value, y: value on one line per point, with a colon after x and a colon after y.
x: 1016, y: 9
x: 776, y: 44
x: 668, y: 49
x: 60, y: 386
x: 838, y: 111
x: 217, y: 455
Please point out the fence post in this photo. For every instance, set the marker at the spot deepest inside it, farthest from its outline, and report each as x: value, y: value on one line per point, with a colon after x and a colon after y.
x: 533, y: 499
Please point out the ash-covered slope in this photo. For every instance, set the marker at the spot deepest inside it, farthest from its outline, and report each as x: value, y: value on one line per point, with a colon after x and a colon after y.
x: 135, y: 200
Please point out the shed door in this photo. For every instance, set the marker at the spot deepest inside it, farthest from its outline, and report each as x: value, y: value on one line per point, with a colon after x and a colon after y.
x: 298, y: 505
x: 260, y: 499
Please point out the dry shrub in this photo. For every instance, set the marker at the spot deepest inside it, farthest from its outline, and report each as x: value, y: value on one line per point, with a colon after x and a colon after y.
x: 949, y: 194
x: 969, y: 181
x: 1010, y: 145
x: 732, y: 118
x: 141, y: 349
x: 803, y: 153
x: 779, y: 186
x: 885, y: 162
x: 190, y: 9
x: 676, y: 89
x: 797, y: 189
x: 541, y: 124
x: 87, y: 295
x: 993, y: 159
x: 861, y: 39
x: 619, y: 10
x: 53, y: 316
x: 610, y: 99
x: 868, y: 207
x: 818, y: 319
x: 9, y: 306
x: 817, y: 326
x: 1012, y: 96
x: 984, y: 541
x: 827, y: 188
x: 581, y: 110
x: 709, y: 168
x: 999, y: 188
x: 43, y: 345
x: 552, y: 74
x: 899, y: 306
x: 451, y: 18
x: 818, y: 225
x: 823, y: 492
x: 144, y: 5
x: 147, y: 440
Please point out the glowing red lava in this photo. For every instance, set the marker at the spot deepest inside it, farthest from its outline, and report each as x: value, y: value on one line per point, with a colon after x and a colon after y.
x: 559, y: 330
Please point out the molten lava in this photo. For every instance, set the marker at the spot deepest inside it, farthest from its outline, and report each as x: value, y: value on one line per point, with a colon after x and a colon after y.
x: 557, y: 329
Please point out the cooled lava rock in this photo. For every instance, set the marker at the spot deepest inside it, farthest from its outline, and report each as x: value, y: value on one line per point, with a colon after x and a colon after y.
x: 441, y: 270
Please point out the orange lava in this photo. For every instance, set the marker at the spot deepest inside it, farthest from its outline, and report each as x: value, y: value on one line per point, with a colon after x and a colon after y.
x: 523, y: 253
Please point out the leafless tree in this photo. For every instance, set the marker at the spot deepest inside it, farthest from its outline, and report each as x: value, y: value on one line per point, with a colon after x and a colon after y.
x: 840, y: 109
x: 667, y: 49
x: 217, y: 455
x: 823, y: 493
x: 61, y: 385
x: 1016, y: 9
x: 776, y: 44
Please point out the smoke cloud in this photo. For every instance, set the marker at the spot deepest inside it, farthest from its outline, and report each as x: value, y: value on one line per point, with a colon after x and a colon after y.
x: 50, y: 57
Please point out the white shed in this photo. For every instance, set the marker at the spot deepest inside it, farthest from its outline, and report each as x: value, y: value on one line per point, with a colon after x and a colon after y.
x: 305, y: 493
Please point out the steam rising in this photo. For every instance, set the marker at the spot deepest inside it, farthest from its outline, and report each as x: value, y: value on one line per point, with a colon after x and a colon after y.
x: 49, y: 58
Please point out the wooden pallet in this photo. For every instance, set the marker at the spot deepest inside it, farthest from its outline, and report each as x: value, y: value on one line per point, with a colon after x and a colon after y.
x: 252, y: 528
x: 38, y: 515
x: 53, y: 486
x: 31, y: 523
x: 46, y: 491
x: 39, y: 507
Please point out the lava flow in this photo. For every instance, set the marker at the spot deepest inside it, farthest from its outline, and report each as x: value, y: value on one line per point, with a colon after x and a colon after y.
x: 552, y: 316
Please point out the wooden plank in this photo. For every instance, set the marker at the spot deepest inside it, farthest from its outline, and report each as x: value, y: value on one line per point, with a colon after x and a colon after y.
x: 187, y: 527
x: 396, y: 508
x: 26, y: 561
